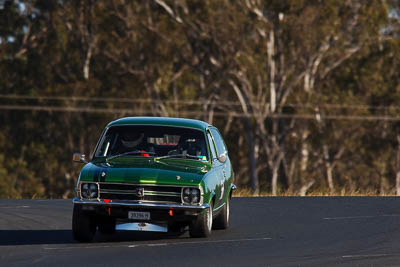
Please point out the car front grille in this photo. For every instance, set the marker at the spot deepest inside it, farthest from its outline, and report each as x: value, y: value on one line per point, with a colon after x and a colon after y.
x: 146, y: 193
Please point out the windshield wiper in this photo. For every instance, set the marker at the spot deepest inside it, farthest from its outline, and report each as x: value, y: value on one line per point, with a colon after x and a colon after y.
x: 178, y: 155
x: 130, y: 153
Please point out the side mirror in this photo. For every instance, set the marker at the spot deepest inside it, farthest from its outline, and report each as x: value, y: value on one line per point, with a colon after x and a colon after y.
x: 222, y: 158
x: 78, y: 157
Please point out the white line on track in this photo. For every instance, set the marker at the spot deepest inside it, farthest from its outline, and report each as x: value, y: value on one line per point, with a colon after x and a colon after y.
x: 204, y: 242
x: 369, y: 256
x: 164, y: 244
x: 361, y: 217
x: 15, y: 207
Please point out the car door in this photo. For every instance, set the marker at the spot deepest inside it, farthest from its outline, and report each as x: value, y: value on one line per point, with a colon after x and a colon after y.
x: 222, y: 167
x: 217, y: 170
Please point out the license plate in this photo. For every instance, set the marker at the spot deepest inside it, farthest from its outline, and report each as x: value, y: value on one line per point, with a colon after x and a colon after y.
x: 137, y: 215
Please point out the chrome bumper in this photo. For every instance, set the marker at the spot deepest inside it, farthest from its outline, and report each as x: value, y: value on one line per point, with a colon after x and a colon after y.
x: 140, y: 205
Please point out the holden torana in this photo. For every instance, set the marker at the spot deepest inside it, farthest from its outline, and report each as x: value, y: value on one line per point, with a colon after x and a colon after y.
x: 154, y: 174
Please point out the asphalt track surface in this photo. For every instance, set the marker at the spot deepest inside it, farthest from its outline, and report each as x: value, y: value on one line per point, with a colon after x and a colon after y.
x: 282, y: 231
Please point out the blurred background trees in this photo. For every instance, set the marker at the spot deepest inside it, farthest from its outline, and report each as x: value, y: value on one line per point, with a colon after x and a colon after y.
x: 306, y: 93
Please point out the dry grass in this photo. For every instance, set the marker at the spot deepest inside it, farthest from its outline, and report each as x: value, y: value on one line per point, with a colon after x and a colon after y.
x: 246, y: 192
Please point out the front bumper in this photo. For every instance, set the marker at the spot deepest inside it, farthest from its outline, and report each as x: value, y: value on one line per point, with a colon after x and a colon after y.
x: 160, y: 212
x: 146, y: 205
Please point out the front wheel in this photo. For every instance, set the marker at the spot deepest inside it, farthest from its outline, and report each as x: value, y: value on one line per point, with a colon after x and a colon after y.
x: 222, y: 220
x: 202, y: 225
x: 83, y: 226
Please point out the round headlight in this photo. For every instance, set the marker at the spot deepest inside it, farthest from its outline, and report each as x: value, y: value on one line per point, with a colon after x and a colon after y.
x: 191, y: 195
x: 186, y: 191
x: 89, y: 190
x: 84, y: 190
x: 195, y: 192
x: 93, y: 190
x: 195, y: 199
x: 93, y: 187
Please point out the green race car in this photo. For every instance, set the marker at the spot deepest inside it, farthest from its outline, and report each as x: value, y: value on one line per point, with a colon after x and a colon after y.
x: 154, y: 174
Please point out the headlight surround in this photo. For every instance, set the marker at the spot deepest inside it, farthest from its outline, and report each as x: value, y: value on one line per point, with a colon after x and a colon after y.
x: 89, y: 190
x: 191, y: 195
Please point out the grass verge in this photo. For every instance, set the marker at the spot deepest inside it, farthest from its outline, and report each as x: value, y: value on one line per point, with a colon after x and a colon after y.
x: 246, y: 192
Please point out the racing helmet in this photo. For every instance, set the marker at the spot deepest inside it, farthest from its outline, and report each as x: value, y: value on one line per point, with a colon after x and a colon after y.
x: 131, y: 139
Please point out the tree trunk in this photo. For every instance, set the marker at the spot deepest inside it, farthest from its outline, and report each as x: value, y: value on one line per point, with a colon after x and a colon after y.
x: 304, y: 152
x: 272, y: 69
x: 275, y: 169
x: 304, y: 188
x: 86, y: 66
x: 204, y: 101
x: 274, y: 183
x: 329, y: 176
x: 289, y: 172
x: 398, y: 182
x: 255, y: 187
x: 329, y: 169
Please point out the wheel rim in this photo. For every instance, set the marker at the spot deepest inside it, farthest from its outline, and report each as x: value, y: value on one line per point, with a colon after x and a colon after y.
x: 209, y: 219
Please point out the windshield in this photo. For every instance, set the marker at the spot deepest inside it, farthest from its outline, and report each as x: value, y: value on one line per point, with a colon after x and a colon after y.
x: 153, y: 141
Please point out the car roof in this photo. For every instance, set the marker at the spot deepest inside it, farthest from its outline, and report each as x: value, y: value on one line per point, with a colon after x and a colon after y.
x: 164, y: 121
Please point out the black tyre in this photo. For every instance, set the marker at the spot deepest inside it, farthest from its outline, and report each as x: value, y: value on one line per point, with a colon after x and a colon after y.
x: 83, y: 226
x: 222, y: 219
x: 107, y: 226
x: 202, y: 225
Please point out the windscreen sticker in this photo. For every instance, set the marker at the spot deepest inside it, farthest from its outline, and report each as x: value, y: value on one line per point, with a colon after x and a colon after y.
x: 203, y: 158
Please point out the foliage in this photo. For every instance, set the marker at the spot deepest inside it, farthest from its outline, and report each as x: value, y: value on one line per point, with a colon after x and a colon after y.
x: 304, y: 92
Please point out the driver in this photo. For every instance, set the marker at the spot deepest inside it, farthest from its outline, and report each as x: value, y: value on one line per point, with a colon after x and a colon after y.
x: 132, y: 141
x: 193, y: 146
